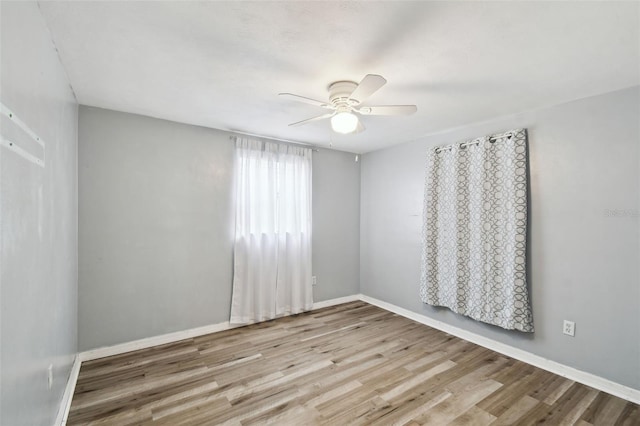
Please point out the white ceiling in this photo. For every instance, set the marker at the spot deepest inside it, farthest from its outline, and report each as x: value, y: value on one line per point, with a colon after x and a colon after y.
x: 222, y: 64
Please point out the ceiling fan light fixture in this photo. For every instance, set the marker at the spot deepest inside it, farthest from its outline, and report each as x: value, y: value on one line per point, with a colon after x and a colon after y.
x: 345, y: 101
x: 344, y: 122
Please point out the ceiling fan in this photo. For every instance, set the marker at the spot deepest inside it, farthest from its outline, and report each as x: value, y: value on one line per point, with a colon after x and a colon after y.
x: 345, y: 99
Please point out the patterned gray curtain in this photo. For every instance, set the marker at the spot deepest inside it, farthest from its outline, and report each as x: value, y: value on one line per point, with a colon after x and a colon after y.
x: 475, y: 230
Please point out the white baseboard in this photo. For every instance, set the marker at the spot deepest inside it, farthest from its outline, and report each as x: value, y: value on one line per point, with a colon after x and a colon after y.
x: 163, y: 339
x: 65, y: 404
x: 149, y: 342
x: 583, y: 377
x: 588, y: 379
x: 333, y: 302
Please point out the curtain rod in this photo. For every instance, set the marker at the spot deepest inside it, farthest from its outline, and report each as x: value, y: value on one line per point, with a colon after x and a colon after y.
x: 492, y: 138
x: 314, y: 148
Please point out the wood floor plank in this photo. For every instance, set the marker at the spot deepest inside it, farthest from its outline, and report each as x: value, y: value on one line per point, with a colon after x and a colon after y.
x: 456, y: 405
x: 348, y: 364
x: 576, y: 412
x: 417, y: 379
x: 607, y: 410
x: 474, y: 416
x: 512, y: 391
x: 513, y: 413
x: 406, y: 411
x: 556, y: 413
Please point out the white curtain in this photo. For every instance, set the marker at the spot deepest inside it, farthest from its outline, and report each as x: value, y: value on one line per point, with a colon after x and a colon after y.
x: 475, y: 230
x: 272, y: 254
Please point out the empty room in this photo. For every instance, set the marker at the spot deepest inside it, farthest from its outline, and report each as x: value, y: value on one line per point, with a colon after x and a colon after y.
x: 319, y: 213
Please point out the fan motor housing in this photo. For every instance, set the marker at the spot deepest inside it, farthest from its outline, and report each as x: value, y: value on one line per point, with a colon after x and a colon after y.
x: 339, y: 93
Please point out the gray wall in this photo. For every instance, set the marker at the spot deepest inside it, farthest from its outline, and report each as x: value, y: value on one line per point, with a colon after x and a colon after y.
x: 155, y: 215
x: 336, y: 224
x: 156, y: 226
x: 38, y: 279
x: 584, y: 262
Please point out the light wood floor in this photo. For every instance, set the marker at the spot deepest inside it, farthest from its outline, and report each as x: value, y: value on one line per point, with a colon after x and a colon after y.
x: 347, y: 364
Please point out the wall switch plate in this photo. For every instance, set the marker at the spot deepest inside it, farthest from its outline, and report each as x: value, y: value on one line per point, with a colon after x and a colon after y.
x: 50, y: 376
x: 314, y: 280
x: 569, y: 328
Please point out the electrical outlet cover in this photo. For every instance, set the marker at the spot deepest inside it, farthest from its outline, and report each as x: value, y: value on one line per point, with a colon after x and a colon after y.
x: 569, y: 328
x: 50, y: 376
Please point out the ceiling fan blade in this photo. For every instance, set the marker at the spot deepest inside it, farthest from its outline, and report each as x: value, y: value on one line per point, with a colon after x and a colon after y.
x: 360, y: 127
x: 309, y: 120
x: 388, y: 110
x: 305, y: 100
x: 367, y: 87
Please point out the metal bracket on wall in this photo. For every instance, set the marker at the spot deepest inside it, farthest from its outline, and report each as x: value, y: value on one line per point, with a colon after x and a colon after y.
x: 13, y: 145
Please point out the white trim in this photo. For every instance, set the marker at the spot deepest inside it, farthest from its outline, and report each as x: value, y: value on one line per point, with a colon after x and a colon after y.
x: 163, y: 339
x: 149, y: 342
x: 333, y: 302
x: 588, y: 379
x: 583, y: 377
x: 65, y: 404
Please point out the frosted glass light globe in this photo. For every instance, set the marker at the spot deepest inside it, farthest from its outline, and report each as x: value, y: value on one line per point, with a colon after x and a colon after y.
x: 344, y: 122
